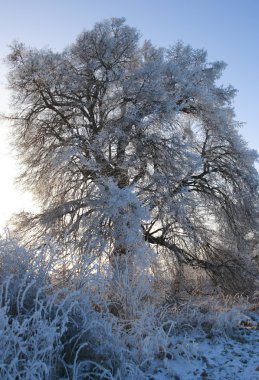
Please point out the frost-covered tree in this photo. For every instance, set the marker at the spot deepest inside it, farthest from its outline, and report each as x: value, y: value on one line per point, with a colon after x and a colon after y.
x: 127, y: 146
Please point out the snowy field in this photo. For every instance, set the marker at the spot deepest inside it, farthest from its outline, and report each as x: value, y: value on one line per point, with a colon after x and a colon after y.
x: 216, y: 354
x: 51, y: 333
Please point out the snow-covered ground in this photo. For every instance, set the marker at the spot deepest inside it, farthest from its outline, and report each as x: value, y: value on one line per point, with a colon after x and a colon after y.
x: 214, y: 350
x: 52, y: 333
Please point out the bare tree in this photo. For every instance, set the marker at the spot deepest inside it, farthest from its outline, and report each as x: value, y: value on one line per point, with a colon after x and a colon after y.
x: 126, y: 144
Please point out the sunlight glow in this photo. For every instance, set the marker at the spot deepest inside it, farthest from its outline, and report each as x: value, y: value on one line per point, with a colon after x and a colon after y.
x: 12, y: 200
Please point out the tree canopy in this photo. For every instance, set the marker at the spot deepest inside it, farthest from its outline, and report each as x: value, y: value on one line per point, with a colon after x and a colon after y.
x: 130, y: 148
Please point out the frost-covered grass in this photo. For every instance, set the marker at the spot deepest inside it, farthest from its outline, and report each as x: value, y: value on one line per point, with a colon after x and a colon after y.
x: 99, y: 331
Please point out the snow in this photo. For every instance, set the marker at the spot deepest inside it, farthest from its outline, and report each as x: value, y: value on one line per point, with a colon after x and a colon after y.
x: 215, y: 355
x: 123, y: 332
x: 215, y: 358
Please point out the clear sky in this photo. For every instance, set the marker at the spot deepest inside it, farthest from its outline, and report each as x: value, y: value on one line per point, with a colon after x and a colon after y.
x: 227, y: 29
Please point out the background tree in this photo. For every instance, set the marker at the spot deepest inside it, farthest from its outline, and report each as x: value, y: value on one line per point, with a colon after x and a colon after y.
x: 126, y: 144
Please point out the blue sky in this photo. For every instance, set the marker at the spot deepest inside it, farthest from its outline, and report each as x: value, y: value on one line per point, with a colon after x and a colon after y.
x: 227, y: 29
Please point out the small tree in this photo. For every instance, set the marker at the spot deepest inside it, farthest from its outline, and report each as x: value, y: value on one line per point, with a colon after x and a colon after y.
x: 127, y: 144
